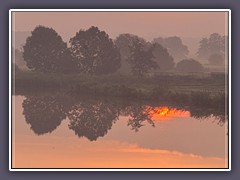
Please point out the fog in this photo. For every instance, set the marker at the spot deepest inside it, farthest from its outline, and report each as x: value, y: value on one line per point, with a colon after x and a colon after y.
x: 114, y: 81
x: 145, y: 24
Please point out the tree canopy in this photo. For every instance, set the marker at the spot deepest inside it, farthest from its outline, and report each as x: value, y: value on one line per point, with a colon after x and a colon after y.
x: 189, y: 65
x: 94, y: 52
x: 174, y: 45
x: 45, y: 51
x: 162, y: 57
x: 137, y: 53
x: 123, y: 43
x: 215, y: 44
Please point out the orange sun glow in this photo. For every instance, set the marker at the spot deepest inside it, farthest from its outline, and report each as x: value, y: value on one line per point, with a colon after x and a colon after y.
x: 164, y: 113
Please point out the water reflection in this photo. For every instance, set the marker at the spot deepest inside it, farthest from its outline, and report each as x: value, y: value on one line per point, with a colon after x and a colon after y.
x: 93, y: 117
x: 204, y: 113
x: 92, y: 120
x: 138, y: 115
x: 44, y: 113
x: 166, y: 113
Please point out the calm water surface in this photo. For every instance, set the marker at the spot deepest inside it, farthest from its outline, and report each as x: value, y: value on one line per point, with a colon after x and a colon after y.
x: 50, y: 132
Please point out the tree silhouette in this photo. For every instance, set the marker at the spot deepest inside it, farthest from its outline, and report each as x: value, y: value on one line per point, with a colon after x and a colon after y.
x: 44, y: 113
x: 45, y: 51
x: 123, y: 43
x: 215, y: 44
x: 138, y: 54
x: 162, y: 57
x: 174, y: 45
x: 189, y: 65
x: 203, y: 50
x: 92, y: 120
x: 94, y: 52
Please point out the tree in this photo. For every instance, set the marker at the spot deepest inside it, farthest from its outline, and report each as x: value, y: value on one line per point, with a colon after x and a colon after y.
x: 123, y: 43
x: 162, y: 57
x: 215, y: 44
x: 137, y: 53
x: 141, y: 59
x: 216, y: 59
x: 189, y: 65
x: 45, y: 51
x: 174, y: 45
x: 203, y: 50
x: 94, y: 52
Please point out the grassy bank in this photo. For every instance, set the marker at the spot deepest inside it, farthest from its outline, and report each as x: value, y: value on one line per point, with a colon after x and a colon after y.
x: 175, y: 82
x: 189, y: 89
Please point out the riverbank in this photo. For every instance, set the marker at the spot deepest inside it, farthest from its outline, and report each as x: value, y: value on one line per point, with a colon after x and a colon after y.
x: 196, y: 90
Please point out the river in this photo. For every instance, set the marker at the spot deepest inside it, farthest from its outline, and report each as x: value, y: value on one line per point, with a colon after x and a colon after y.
x: 51, y: 131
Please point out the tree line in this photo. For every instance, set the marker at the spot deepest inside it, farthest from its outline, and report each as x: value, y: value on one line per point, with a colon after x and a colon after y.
x: 93, y: 52
x: 213, y: 48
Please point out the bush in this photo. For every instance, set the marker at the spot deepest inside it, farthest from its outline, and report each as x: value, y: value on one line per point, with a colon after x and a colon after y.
x: 189, y: 66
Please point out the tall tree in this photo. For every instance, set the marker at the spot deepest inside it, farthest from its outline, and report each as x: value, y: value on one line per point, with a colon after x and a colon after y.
x: 45, y: 51
x: 137, y: 53
x: 124, y: 42
x: 174, y: 46
x: 215, y: 44
x: 162, y: 57
x: 141, y: 59
x: 94, y: 52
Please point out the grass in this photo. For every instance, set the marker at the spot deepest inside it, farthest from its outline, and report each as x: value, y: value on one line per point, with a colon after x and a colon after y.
x: 194, y: 89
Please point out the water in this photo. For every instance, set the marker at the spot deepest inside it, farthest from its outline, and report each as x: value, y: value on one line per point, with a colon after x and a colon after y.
x: 54, y: 131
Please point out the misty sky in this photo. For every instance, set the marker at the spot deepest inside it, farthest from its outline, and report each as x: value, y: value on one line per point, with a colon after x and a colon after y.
x: 145, y: 24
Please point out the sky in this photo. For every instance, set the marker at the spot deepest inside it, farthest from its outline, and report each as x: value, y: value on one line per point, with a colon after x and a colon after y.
x: 144, y: 24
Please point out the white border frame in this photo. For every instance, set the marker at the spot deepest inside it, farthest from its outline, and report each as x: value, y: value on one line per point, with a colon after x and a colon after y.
x: 119, y: 10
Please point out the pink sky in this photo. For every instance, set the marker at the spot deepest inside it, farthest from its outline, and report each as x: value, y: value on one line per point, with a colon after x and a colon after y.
x: 145, y: 24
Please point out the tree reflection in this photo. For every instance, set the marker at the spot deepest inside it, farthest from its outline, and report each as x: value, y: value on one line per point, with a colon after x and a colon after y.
x: 205, y: 113
x: 139, y: 114
x: 44, y: 113
x: 205, y: 105
x: 92, y: 120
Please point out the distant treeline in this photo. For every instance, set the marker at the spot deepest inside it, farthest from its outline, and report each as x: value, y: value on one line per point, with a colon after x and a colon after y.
x: 92, y: 52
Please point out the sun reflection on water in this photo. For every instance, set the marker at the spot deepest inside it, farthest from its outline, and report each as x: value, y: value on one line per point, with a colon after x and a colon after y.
x: 165, y: 113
